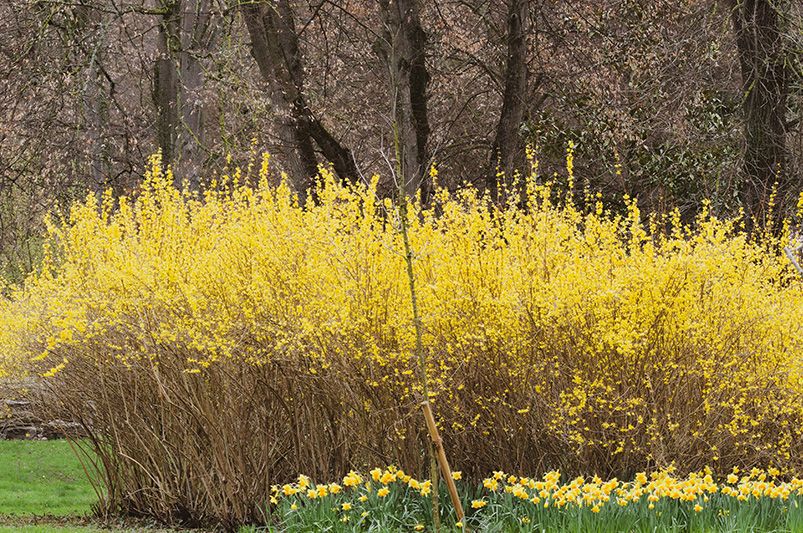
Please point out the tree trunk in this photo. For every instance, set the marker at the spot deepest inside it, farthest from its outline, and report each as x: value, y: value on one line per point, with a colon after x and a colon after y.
x: 404, y: 50
x: 765, y: 80
x: 165, y: 93
x: 94, y: 104
x: 274, y: 46
x: 197, y: 35
x: 185, y: 32
x: 507, y: 146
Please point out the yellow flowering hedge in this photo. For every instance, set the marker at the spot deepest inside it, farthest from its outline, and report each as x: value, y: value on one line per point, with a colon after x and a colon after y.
x: 557, y: 336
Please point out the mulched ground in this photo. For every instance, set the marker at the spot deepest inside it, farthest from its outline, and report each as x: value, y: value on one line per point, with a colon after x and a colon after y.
x: 56, y: 523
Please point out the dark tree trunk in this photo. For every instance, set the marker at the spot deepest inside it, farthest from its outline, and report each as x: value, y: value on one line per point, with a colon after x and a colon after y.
x: 341, y: 158
x: 274, y: 46
x: 94, y: 102
x: 295, y: 146
x: 197, y: 34
x: 165, y: 90
x: 185, y: 31
x: 765, y: 79
x: 507, y: 146
x: 404, y: 51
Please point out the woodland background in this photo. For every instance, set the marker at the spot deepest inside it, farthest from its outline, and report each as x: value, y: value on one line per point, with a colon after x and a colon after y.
x: 669, y: 101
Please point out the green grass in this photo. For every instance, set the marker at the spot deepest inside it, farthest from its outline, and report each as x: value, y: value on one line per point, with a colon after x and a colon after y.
x: 43, y: 489
x: 42, y: 478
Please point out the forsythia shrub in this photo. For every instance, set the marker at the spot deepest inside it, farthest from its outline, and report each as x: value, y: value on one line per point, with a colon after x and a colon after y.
x: 216, y: 344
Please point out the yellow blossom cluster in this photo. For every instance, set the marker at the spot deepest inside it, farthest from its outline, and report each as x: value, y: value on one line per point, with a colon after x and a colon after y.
x: 549, y: 491
x: 557, y: 332
x: 379, y: 481
x: 594, y: 493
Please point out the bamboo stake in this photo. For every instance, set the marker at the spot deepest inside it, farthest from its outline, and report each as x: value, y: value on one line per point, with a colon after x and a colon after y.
x: 434, y: 495
x: 439, y: 457
x: 446, y: 471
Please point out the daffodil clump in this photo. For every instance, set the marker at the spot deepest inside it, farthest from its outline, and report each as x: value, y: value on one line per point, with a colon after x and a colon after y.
x: 237, y: 335
x: 391, y: 499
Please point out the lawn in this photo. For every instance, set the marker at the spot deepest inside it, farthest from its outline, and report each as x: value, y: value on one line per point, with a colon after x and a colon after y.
x: 43, y: 489
x: 43, y: 478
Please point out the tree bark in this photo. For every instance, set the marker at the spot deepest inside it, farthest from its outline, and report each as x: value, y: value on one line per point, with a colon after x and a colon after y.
x: 765, y: 87
x: 94, y: 104
x: 404, y: 50
x: 274, y: 46
x: 507, y: 146
x: 165, y: 90
x: 185, y: 32
x: 197, y: 35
